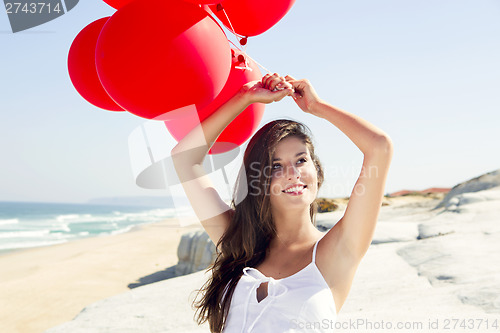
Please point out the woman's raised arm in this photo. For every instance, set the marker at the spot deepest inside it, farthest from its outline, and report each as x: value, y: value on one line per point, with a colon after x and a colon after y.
x: 343, y: 247
x: 189, y: 153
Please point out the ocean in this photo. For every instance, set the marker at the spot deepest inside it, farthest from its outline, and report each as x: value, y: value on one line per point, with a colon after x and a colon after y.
x: 26, y: 225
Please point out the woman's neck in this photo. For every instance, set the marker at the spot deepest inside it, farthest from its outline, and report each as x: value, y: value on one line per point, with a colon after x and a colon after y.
x: 293, y: 227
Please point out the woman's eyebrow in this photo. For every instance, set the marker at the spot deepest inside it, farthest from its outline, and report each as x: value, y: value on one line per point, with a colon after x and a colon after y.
x: 297, y: 155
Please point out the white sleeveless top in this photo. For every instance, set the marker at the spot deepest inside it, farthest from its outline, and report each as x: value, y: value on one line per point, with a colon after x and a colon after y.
x: 301, y: 302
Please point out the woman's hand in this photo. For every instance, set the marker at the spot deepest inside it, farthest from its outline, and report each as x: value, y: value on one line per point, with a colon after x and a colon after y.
x: 304, y: 94
x: 271, y: 88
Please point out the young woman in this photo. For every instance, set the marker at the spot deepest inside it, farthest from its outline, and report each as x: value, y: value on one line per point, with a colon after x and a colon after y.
x: 275, y: 271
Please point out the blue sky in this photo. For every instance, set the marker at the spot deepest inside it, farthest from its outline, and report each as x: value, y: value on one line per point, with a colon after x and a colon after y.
x: 427, y: 72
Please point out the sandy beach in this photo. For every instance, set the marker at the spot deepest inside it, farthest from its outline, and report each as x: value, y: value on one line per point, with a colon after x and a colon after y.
x: 43, y: 287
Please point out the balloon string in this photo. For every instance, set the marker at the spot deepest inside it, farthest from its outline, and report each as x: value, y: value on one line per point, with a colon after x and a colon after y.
x: 239, y: 48
x: 236, y: 35
x: 264, y: 68
x: 230, y: 24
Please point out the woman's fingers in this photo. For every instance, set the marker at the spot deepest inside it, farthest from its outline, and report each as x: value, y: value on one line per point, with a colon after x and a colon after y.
x: 276, y: 82
x: 273, y: 81
x: 268, y: 79
x: 276, y: 88
x: 279, y: 95
x: 299, y: 86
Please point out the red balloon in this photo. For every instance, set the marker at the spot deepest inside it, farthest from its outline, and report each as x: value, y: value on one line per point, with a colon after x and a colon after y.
x: 117, y: 4
x: 243, y: 126
x: 252, y: 17
x: 203, y: 2
x: 81, y: 67
x: 156, y: 56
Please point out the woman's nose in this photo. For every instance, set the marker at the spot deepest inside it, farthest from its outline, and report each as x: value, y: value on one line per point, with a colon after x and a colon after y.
x: 293, y: 172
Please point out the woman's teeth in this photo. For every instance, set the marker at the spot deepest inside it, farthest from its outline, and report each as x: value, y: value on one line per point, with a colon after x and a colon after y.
x: 294, y: 189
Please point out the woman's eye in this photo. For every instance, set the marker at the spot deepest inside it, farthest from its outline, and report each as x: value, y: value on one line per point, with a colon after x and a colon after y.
x: 277, y: 165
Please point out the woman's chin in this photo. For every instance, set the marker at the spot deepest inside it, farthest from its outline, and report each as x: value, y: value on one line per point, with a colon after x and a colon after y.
x: 286, y: 201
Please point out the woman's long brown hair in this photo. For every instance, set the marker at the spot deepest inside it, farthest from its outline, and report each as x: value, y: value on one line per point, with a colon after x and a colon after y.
x: 247, y: 238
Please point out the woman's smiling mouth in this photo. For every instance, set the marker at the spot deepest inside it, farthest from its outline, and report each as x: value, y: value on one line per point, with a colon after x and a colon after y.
x: 295, y: 190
